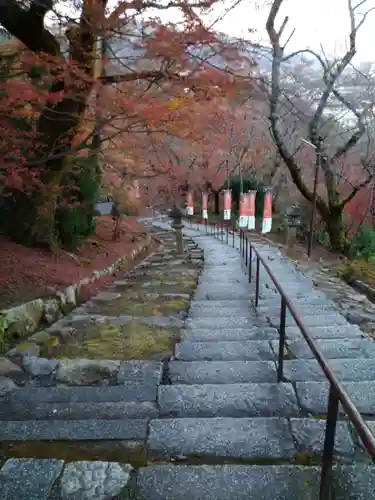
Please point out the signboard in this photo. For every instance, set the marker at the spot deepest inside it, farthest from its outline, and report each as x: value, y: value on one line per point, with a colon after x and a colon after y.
x: 251, y: 196
x: 204, y: 206
x: 244, y: 211
x: 190, y: 204
x: 227, y: 204
x: 267, y: 213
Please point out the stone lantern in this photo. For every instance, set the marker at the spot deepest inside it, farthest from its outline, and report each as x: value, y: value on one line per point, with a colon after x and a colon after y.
x: 293, y: 222
x: 176, y: 215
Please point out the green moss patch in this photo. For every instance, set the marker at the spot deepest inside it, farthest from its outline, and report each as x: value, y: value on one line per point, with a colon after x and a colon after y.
x: 140, y: 305
x: 108, y: 341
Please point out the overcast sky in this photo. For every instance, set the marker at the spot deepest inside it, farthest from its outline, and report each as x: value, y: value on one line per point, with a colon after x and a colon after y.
x: 316, y: 22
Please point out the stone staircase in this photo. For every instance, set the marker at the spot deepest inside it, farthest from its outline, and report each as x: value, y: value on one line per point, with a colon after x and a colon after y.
x: 229, y: 429
x: 212, y: 423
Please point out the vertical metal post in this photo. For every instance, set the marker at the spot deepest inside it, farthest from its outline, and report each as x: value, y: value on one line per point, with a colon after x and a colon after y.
x: 250, y: 262
x: 234, y: 226
x: 222, y: 230
x: 280, y: 366
x: 329, y: 444
x: 257, y: 283
x: 241, y: 241
x: 247, y: 249
x: 227, y: 228
x: 315, y: 195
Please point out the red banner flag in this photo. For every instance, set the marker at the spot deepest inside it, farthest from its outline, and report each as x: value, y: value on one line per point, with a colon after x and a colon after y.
x: 204, y: 206
x: 227, y: 204
x: 251, y: 195
x: 267, y: 214
x: 190, y: 204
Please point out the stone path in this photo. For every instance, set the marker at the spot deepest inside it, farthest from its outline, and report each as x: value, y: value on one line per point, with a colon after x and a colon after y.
x: 212, y: 423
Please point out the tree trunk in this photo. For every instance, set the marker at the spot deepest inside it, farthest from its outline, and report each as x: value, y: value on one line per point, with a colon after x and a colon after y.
x: 217, y: 202
x: 335, y: 230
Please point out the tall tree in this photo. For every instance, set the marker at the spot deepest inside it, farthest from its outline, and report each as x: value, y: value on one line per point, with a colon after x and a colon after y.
x: 316, y: 122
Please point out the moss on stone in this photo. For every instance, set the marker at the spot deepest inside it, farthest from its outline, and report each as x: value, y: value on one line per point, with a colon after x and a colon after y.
x: 141, y: 306
x: 108, y: 341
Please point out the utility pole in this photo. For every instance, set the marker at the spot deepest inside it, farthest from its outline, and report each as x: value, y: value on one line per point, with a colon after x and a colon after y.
x: 318, y: 153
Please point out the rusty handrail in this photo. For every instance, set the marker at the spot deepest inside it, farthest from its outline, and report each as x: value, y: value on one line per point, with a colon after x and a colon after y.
x: 337, y: 393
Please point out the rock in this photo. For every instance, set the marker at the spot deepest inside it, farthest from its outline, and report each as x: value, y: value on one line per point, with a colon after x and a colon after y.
x: 26, y: 349
x: 40, y: 338
x: 51, y: 311
x: 70, y: 295
x: 6, y: 385
x: 39, y: 366
x: 107, y: 296
x: 7, y: 367
x: 24, y: 319
x: 86, y: 371
x: 93, y: 480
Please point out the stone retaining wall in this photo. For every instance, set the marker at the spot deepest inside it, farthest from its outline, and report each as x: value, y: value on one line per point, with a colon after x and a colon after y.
x: 27, y: 318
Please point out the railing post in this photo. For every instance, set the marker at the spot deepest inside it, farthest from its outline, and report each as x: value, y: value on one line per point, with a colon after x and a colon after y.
x: 257, y: 283
x: 246, y: 250
x: 250, y: 262
x: 241, y: 241
x: 280, y: 366
x: 227, y: 228
x: 222, y: 231
x: 234, y: 226
x: 329, y: 445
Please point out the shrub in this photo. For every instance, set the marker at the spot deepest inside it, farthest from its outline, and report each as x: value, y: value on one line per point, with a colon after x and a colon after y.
x: 75, y: 216
x: 362, y: 245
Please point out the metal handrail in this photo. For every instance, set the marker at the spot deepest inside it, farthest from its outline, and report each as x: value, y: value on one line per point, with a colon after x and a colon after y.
x: 337, y: 393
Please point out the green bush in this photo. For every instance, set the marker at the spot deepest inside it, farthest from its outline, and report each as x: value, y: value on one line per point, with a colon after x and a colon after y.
x: 363, y: 244
x: 75, y: 216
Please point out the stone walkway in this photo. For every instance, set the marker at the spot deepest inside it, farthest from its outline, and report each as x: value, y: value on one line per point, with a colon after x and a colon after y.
x: 212, y: 423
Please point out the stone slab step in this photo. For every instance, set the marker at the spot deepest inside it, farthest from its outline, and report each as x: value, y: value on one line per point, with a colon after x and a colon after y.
x: 331, y: 348
x: 228, y: 400
x: 68, y: 395
x: 73, y: 430
x: 228, y: 294
x: 313, y: 320
x: 351, y: 370
x: 326, y: 332
x: 221, y: 351
x: 219, y: 323
x: 219, y: 304
x: 243, y: 438
x: 77, y: 411
x: 236, y: 438
x: 251, y: 482
x: 224, y: 312
x: 221, y: 372
x: 311, y: 300
x: 313, y: 396
x: 239, y: 334
x: 305, y: 309
x: 28, y: 479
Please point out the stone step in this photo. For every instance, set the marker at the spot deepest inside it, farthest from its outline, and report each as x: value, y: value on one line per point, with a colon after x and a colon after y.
x: 77, y: 411
x: 228, y: 312
x: 28, y: 479
x: 239, y: 334
x: 331, y: 348
x: 224, y: 351
x: 221, y: 372
x: 313, y: 396
x: 351, y: 370
x: 313, y: 320
x: 228, y: 294
x: 196, y: 305
x: 276, y: 301
x: 302, y: 309
x: 249, y: 321
x: 251, y: 482
x: 243, y: 438
x: 228, y: 400
x: 133, y: 391
x: 326, y: 332
x: 73, y: 430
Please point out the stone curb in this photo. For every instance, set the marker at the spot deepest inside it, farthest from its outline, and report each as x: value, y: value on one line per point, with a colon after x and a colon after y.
x: 27, y: 318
